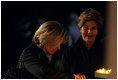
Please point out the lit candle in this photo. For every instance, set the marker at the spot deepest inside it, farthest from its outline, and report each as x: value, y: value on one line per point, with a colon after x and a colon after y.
x: 102, y: 73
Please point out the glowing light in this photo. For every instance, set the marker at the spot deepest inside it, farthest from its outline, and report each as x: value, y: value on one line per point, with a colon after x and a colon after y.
x: 103, y: 71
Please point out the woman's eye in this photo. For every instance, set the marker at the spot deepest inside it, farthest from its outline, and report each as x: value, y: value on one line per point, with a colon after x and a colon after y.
x: 94, y: 28
x: 85, y: 28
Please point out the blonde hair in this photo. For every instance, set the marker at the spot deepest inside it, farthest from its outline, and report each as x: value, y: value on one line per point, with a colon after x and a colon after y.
x: 50, y: 33
x: 90, y: 14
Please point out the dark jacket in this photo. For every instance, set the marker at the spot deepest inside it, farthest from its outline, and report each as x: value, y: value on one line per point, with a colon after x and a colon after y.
x: 77, y: 59
x: 34, y: 60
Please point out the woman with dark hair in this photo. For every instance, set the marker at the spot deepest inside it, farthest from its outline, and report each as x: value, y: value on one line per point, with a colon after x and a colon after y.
x: 87, y: 54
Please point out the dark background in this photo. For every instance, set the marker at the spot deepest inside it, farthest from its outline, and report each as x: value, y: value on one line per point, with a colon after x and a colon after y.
x: 16, y: 14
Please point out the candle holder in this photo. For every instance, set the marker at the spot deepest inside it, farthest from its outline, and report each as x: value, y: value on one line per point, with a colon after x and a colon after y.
x: 102, y: 73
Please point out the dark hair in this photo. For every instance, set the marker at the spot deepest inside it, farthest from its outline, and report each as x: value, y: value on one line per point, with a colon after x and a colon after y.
x: 90, y: 14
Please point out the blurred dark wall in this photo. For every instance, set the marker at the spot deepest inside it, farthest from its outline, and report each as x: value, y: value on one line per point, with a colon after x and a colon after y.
x: 19, y: 22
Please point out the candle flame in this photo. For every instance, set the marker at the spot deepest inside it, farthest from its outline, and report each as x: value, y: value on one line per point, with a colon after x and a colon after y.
x: 103, y: 71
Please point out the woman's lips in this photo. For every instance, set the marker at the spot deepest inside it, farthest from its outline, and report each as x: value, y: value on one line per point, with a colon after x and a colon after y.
x: 89, y: 35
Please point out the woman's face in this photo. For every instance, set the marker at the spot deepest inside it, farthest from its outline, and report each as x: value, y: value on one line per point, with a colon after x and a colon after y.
x: 53, y: 48
x: 89, y: 31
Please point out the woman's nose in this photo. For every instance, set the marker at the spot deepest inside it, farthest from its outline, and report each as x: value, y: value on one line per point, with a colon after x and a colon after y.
x: 89, y: 31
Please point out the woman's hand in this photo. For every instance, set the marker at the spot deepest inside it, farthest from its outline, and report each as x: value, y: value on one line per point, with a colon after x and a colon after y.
x: 79, y: 76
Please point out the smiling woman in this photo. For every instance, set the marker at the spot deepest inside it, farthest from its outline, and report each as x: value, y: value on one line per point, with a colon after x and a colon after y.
x: 90, y: 25
x: 86, y: 55
x: 89, y: 32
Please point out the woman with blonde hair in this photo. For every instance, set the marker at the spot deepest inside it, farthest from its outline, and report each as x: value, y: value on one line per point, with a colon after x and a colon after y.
x: 36, y: 59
